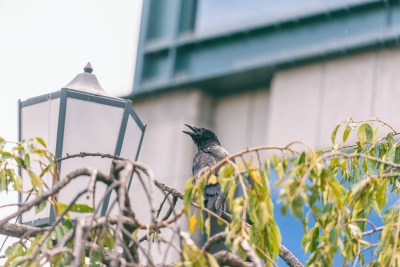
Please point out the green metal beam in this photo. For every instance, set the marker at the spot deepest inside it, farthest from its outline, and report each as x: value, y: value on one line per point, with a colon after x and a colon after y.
x: 243, y: 59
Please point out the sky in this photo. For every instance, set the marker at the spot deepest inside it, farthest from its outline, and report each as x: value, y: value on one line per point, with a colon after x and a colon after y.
x: 45, y: 44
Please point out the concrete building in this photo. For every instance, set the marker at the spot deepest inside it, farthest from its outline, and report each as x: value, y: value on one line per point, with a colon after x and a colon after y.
x: 261, y: 73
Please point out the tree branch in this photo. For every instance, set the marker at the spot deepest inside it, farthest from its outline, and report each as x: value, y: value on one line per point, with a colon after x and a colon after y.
x: 288, y: 257
x: 227, y: 258
x: 20, y: 230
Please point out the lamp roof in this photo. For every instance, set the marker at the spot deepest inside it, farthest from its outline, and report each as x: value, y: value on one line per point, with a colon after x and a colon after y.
x: 87, y: 82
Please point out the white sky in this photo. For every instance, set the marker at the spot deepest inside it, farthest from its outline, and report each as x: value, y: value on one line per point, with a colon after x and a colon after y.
x: 44, y: 44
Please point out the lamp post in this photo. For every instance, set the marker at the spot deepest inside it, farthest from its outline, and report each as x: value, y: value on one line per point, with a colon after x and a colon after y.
x: 81, y: 117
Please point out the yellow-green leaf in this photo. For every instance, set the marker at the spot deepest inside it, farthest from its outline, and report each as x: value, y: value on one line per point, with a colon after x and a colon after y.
x: 61, y: 207
x: 36, y: 180
x: 200, y: 221
x: 361, y: 133
x: 368, y: 132
x: 40, y: 141
x: 268, y: 163
x: 17, y: 181
x: 212, y: 261
x: 346, y: 134
x: 333, y: 136
x: 207, y: 226
x: 187, y: 198
x: 375, y: 136
x: 82, y: 208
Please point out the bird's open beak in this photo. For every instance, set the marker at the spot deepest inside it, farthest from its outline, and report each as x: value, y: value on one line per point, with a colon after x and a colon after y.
x: 194, y: 129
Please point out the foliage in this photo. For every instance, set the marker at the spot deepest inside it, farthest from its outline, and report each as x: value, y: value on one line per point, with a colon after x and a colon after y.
x: 334, y: 193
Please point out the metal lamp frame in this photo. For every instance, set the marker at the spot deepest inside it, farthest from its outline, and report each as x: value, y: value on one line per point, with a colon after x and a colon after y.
x: 64, y: 94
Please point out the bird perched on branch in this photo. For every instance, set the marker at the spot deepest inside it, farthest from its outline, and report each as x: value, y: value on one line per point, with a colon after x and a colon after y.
x: 209, y: 153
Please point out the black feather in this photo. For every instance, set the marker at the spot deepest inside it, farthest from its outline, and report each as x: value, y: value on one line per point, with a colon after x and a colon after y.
x: 209, y: 153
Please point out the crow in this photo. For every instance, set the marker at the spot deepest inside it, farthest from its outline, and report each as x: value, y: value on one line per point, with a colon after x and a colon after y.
x: 209, y: 153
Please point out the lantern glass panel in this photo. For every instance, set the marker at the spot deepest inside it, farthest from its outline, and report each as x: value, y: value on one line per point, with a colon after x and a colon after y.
x: 38, y: 120
x: 132, y: 138
x: 129, y: 150
x: 89, y: 127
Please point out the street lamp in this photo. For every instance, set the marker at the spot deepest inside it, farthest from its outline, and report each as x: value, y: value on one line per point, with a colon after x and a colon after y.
x: 81, y: 117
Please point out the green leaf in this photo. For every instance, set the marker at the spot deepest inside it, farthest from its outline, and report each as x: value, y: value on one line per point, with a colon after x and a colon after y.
x: 370, y: 166
x: 81, y: 208
x: 17, y: 180
x: 389, y: 139
x: 231, y: 195
x: 391, y: 153
x: 200, y: 221
x: 268, y: 164
x: 275, y: 160
x: 3, y: 179
x: 375, y: 136
x: 109, y: 240
x: 20, y: 162
x: 59, y: 232
x: 96, y: 258
x: 135, y: 232
x: 211, y: 260
x: 15, y: 249
x: 27, y: 161
x: 297, y: 207
x: 314, y: 239
x: 228, y: 170
x: 381, y: 192
x: 397, y: 155
x: 361, y: 133
x: 5, y: 155
x: 333, y: 137
x: 284, y: 210
x: 356, y: 173
x: 40, y: 206
x: 333, y: 237
x: 17, y: 260
x: 302, y: 158
x: 188, y: 197
x: 40, y: 141
x: 368, y: 132
x: 61, y: 207
x: 207, y: 226
x: 36, y: 180
x: 346, y: 134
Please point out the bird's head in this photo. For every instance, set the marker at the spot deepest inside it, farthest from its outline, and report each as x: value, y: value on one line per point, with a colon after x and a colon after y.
x: 202, y: 137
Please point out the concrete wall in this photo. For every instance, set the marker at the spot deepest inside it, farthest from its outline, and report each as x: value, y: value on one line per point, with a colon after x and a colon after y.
x: 307, y: 102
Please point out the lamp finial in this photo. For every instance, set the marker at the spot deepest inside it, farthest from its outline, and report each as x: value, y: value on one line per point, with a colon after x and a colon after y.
x: 88, y: 68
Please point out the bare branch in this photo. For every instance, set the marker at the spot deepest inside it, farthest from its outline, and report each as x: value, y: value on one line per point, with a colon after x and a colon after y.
x: 214, y: 240
x: 124, y: 220
x: 20, y: 230
x: 288, y: 257
x: 226, y: 258
x: 54, y: 190
x: 244, y: 244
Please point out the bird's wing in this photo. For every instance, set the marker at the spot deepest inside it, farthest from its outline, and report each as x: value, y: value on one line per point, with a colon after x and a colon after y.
x: 217, y: 152
x: 212, y: 194
x: 201, y: 160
